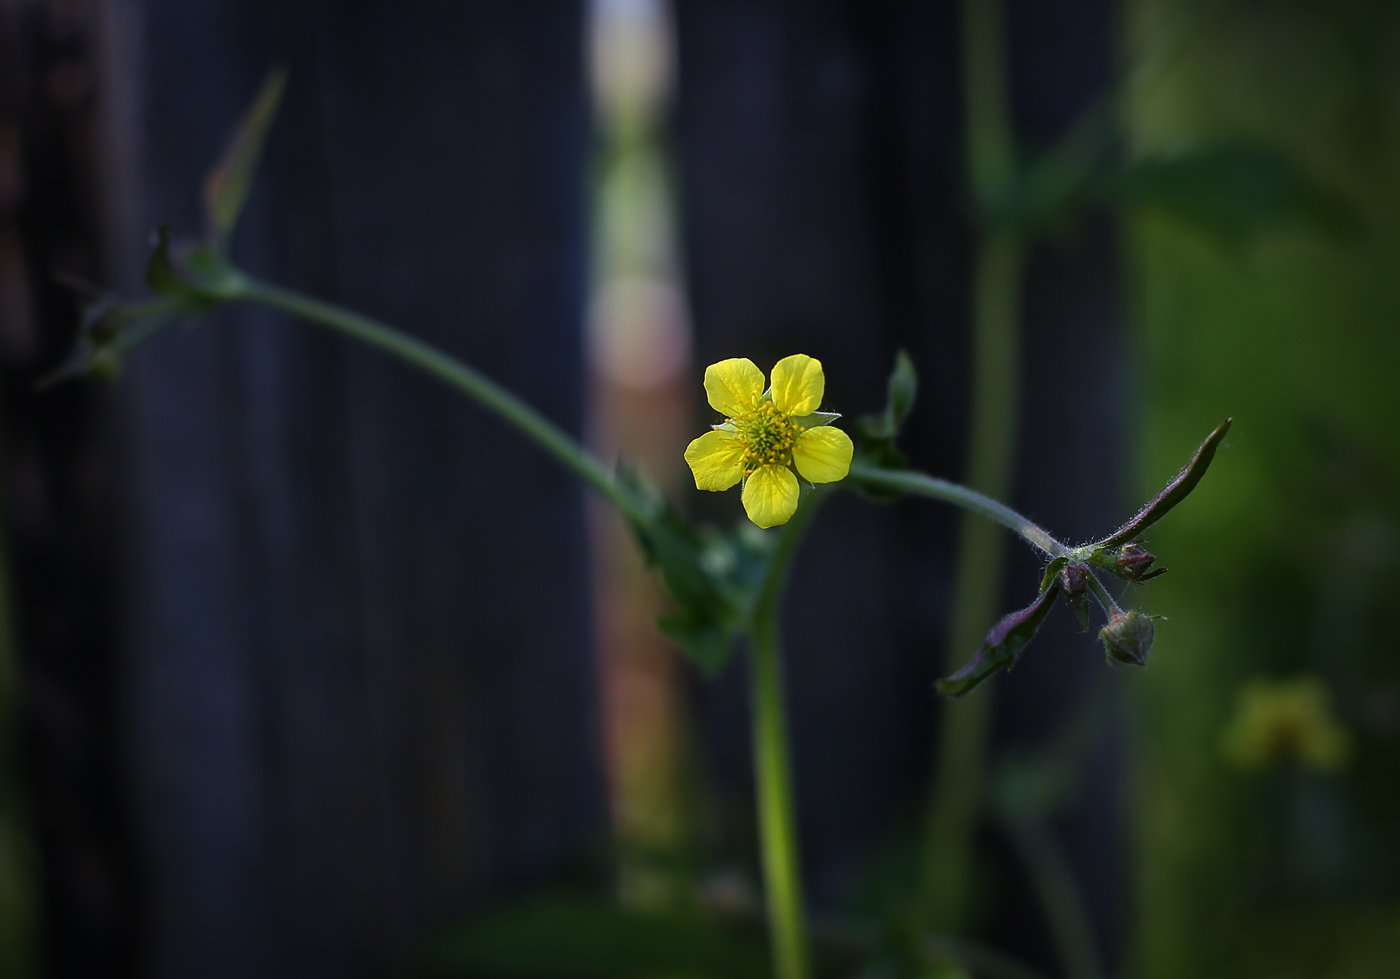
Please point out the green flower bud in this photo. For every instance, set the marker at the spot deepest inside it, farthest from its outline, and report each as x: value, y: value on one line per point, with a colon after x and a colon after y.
x: 1128, y: 637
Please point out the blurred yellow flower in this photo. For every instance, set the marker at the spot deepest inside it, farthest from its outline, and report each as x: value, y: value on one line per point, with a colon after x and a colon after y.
x: 767, y: 435
x: 1286, y: 722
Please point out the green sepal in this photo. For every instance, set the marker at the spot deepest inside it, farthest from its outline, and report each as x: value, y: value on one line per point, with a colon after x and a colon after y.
x: 107, y: 331
x: 196, y: 276
x: 1051, y: 570
x: 227, y: 185
x: 816, y: 419
x: 1082, y: 611
x: 1003, y: 644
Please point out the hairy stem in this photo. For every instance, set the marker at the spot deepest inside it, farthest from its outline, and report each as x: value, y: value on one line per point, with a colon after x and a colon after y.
x: 454, y: 373
x: 1105, y: 600
x: 777, y: 811
x: 921, y: 484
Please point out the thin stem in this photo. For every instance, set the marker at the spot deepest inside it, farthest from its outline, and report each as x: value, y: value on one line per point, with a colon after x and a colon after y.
x: 969, y: 499
x: 1101, y: 593
x: 777, y: 815
x: 456, y: 374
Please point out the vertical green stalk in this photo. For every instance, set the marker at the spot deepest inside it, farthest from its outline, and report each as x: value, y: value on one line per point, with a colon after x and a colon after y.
x: 772, y: 760
x: 961, y: 751
x: 777, y: 819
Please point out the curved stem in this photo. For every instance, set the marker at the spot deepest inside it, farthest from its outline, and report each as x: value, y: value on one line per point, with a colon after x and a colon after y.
x: 777, y: 810
x: 969, y: 499
x: 456, y: 374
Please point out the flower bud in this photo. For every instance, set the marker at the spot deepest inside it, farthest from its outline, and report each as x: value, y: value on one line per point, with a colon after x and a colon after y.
x: 1128, y: 637
x: 1133, y: 561
x: 1074, y: 581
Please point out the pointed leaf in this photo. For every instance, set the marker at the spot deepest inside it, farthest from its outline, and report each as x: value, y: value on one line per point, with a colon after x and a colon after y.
x: 875, y: 434
x: 1002, y: 646
x: 1173, y: 493
x: 226, y: 187
x: 1051, y: 570
x: 902, y: 387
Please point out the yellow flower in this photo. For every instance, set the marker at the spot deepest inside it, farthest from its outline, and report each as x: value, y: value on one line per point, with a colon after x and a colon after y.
x: 1286, y: 722
x: 768, y: 434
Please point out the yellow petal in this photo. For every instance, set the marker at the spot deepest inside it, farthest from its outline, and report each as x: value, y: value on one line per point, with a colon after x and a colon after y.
x: 798, y: 384
x: 733, y: 385
x: 823, y: 454
x: 717, y: 460
x: 770, y: 495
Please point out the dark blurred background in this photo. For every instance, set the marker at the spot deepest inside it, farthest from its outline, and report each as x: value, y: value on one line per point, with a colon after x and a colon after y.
x: 305, y: 659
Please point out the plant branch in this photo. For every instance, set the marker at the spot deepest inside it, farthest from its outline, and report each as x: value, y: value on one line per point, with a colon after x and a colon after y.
x: 922, y: 484
x: 1105, y: 600
x: 777, y: 810
x: 456, y: 374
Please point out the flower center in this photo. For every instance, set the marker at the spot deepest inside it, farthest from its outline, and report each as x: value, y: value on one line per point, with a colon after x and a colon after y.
x: 768, y: 436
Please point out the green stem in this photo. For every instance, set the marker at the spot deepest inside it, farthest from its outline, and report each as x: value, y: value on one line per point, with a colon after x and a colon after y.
x: 1101, y: 593
x: 456, y: 374
x: 777, y: 811
x: 910, y: 481
x: 996, y: 354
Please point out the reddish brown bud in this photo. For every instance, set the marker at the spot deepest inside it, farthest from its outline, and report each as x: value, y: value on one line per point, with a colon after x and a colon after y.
x: 1074, y: 581
x: 1133, y: 561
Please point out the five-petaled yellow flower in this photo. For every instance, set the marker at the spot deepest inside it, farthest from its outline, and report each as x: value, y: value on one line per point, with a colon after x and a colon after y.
x: 768, y: 434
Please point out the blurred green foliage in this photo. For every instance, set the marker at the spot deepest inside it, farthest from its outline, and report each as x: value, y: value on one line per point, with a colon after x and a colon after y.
x: 1283, y: 564
x: 17, y: 890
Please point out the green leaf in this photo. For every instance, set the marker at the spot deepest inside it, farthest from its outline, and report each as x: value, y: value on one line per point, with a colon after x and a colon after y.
x: 1003, y: 644
x: 576, y: 938
x: 1173, y: 493
x: 226, y: 187
x: 1051, y: 570
x: 704, y: 575
x: 875, y: 434
x: 1232, y: 192
x: 902, y: 387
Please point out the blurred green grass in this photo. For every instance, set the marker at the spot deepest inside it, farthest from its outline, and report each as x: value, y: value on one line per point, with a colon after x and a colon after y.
x: 1282, y: 564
